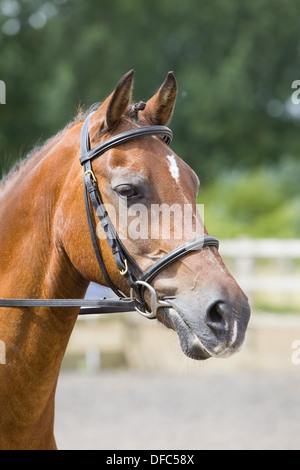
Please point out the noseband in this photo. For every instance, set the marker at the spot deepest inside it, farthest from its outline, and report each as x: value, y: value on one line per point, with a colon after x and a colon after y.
x: 137, y: 279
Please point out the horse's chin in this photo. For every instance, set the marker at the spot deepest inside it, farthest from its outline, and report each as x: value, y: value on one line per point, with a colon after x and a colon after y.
x: 190, y: 343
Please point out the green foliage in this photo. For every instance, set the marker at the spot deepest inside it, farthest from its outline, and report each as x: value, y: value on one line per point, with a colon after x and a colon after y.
x: 235, y: 62
x: 257, y: 203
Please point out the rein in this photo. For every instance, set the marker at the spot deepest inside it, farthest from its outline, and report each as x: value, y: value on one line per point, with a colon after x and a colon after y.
x: 138, y: 280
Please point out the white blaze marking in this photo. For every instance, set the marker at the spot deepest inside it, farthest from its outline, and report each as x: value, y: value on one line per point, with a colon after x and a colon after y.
x: 174, y: 170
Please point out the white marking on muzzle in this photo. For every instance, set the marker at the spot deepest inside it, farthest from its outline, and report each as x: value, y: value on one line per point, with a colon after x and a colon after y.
x: 234, y: 333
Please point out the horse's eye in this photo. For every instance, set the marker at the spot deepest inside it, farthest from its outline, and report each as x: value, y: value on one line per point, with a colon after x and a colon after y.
x: 127, y: 191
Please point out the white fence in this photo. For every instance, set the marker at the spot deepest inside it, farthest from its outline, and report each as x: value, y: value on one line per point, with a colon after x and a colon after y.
x: 281, y: 276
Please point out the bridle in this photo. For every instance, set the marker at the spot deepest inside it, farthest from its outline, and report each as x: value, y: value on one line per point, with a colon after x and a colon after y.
x: 137, y: 279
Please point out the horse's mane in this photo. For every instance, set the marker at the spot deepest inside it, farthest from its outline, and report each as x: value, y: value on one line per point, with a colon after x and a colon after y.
x: 80, y: 116
x: 82, y: 113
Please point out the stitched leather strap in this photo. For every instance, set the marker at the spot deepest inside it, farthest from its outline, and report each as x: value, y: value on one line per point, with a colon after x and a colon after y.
x: 183, y: 250
x: 122, y: 138
x: 87, y: 305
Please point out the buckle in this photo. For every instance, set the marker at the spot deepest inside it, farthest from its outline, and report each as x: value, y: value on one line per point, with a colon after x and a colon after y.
x: 124, y: 271
x: 90, y: 172
x: 155, y: 302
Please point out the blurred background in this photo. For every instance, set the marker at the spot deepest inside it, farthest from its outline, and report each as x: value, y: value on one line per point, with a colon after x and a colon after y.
x: 236, y: 125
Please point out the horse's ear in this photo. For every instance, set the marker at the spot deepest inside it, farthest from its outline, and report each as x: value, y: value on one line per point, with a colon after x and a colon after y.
x: 116, y: 104
x: 160, y: 107
x: 119, y: 100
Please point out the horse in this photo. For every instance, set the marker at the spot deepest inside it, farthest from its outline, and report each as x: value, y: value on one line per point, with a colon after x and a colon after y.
x: 47, y: 252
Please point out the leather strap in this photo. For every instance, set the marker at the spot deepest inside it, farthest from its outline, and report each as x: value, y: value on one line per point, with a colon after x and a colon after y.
x: 96, y: 247
x: 87, y: 305
x: 183, y: 250
x: 122, y: 138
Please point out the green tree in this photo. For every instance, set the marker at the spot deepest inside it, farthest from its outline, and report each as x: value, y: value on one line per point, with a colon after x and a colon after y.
x: 234, y: 61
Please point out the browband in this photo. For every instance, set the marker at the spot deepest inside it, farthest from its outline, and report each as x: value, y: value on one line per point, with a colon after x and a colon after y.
x: 146, y: 131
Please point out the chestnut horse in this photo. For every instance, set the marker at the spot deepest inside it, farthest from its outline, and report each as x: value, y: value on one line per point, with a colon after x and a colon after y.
x: 46, y: 252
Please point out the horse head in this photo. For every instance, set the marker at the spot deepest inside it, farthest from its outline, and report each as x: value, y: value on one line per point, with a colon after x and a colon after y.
x: 150, y: 195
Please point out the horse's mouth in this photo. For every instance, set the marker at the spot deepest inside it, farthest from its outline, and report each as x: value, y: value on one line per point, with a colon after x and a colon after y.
x: 190, y: 343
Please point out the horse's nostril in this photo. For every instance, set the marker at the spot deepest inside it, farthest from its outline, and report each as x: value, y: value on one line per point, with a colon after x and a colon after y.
x: 216, y: 317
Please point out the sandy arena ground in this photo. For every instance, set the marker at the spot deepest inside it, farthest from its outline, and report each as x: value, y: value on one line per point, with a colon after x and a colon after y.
x: 133, y: 410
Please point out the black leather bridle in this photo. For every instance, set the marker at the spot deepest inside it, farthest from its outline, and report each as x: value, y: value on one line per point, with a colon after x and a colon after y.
x: 138, y: 280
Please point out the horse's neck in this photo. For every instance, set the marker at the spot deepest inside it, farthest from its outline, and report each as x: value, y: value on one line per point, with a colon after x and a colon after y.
x: 33, y: 264
x: 32, y: 260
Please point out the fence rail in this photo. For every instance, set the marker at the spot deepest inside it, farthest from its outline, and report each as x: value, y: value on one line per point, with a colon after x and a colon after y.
x: 243, y: 254
x: 261, y: 248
